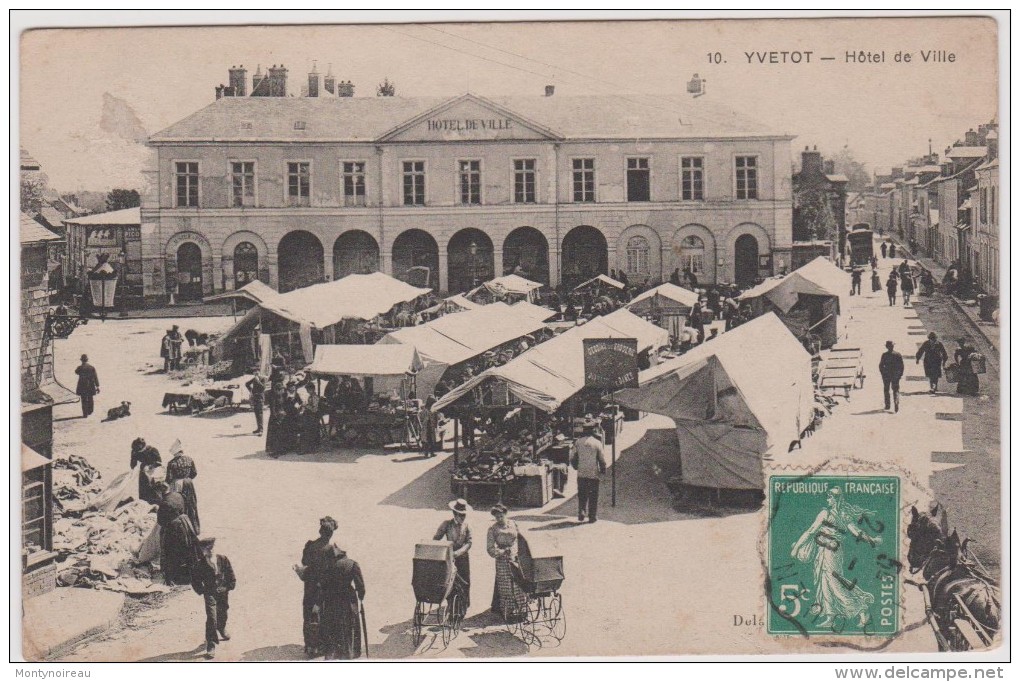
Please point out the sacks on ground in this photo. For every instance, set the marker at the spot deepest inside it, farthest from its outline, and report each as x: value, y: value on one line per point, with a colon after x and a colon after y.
x: 124, y: 488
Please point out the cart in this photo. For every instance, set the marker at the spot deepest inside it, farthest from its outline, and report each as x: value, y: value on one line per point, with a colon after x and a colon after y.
x: 438, y: 604
x: 540, y: 578
x: 842, y: 369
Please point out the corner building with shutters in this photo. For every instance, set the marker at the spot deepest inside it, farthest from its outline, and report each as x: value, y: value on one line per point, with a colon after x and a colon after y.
x: 298, y: 190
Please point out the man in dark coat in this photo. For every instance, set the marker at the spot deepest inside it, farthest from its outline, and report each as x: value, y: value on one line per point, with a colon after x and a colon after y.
x: 342, y: 589
x: 88, y: 386
x: 891, y: 369
x: 213, y: 578
x: 176, y: 345
x: 257, y: 390
x: 855, y: 282
x: 935, y: 358
x: 314, y: 558
x: 698, y: 321
x: 148, y: 457
x: 883, y: 249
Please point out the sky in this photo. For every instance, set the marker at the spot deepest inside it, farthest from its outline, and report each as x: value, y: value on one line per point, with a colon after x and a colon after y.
x: 86, y: 93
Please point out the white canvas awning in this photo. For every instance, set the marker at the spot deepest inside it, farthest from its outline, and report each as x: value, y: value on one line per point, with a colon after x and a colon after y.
x: 549, y: 374
x: 649, y: 336
x: 666, y: 296
x: 357, y: 297
x: 254, y: 291
x: 819, y: 278
x: 746, y: 395
x: 361, y: 361
x: 600, y: 279
x: 512, y: 284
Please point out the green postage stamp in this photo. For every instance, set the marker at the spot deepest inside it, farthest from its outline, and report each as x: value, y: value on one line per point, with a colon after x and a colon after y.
x: 834, y: 563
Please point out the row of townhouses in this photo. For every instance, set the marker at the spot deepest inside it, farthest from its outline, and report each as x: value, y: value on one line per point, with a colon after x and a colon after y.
x: 947, y: 209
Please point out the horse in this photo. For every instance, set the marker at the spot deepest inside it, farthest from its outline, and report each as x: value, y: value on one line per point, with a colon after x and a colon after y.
x: 962, y: 599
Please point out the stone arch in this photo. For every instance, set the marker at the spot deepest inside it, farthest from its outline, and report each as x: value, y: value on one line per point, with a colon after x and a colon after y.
x: 415, y: 248
x: 299, y: 260
x: 528, y: 247
x: 584, y: 253
x: 355, y: 252
x: 230, y: 245
x: 754, y: 230
x: 470, y: 261
x: 170, y: 251
x: 682, y: 253
x: 652, y: 261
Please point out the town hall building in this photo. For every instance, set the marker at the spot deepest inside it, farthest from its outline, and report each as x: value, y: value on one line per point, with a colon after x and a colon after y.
x: 298, y: 190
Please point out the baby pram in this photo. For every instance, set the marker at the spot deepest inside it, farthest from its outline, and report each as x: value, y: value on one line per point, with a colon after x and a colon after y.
x: 438, y: 600
x: 540, y: 578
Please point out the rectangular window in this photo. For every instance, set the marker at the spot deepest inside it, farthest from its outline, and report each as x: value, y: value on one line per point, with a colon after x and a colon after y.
x: 747, y: 177
x: 187, y: 184
x: 354, y: 183
x: 524, y: 181
x: 414, y: 183
x: 470, y: 182
x: 993, y: 218
x: 984, y: 206
x: 639, y: 181
x: 242, y: 180
x: 584, y: 180
x: 692, y: 178
x: 33, y: 509
x: 299, y: 183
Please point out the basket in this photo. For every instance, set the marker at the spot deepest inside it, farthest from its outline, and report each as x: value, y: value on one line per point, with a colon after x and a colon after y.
x: 952, y: 373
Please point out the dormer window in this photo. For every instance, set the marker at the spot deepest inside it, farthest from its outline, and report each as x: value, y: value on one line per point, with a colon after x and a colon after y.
x: 299, y: 125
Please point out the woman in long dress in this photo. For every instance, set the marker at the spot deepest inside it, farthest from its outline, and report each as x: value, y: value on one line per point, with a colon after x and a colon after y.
x: 968, y: 382
x: 823, y: 544
x: 178, y: 540
x: 457, y: 531
x: 341, y: 588
x: 276, y: 430
x: 186, y: 488
x: 508, y: 599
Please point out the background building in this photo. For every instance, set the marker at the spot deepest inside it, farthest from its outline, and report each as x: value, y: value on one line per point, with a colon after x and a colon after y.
x: 297, y: 190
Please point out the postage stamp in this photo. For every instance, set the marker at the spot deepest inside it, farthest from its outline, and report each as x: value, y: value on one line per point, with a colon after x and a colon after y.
x: 834, y: 562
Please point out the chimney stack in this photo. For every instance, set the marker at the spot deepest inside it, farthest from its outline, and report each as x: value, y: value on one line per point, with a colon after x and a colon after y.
x: 810, y: 163
x: 313, y: 81
x: 550, y: 90
x: 345, y: 89
x: 992, y: 141
x: 239, y: 80
x: 219, y: 91
x: 330, y: 82
x: 278, y: 81
x: 971, y: 138
x: 830, y: 167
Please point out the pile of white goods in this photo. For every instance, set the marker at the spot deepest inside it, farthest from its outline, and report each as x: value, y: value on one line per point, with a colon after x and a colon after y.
x: 97, y: 532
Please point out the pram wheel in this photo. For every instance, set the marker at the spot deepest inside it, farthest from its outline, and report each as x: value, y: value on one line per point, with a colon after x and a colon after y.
x: 416, y: 624
x: 456, y: 614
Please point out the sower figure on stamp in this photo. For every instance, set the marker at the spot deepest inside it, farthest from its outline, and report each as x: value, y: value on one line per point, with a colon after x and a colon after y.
x: 891, y: 369
x: 213, y: 578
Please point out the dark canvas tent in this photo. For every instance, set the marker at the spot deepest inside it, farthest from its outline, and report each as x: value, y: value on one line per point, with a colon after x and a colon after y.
x: 743, y: 397
x: 807, y: 300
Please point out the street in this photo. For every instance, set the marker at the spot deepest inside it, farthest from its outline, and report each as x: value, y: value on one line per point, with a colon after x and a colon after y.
x: 645, y: 580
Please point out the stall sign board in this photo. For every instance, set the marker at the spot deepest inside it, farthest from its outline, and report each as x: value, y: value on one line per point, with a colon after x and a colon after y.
x: 610, y: 363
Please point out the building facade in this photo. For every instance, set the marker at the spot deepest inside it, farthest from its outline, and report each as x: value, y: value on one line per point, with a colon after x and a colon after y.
x: 985, y: 209
x: 295, y: 191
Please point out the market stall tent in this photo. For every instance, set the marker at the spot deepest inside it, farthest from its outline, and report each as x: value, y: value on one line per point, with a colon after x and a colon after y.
x: 807, y: 300
x: 512, y: 287
x: 666, y: 297
x: 458, y: 337
x: 743, y: 397
x: 254, y: 291
x: 389, y: 365
x: 549, y: 374
x: 649, y: 336
x: 599, y: 281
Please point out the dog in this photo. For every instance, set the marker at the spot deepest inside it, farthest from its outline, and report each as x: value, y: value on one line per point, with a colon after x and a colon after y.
x: 122, y: 410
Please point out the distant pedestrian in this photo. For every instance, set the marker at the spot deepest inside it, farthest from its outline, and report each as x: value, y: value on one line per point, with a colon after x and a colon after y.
x: 311, y: 430
x: 164, y: 350
x: 257, y: 395
x: 891, y: 285
x: 213, y: 578
x: 855, y: 281
x: 891, y: 369
x: 698, y: 321
x: 892, y: 250
x: 883, y: 249
x: 907, y: 285
x: 968, y: 379
x: 935, y: 358
x: 874, y: 261
x: 293, y: 419
x: 178, y: 541
x: 588, y: 456
x: 176, y: 344
x: 88, y: 386
x: 876, y: 281
x: 148, y: 458
x: 186, y: 488
x: 429, y: 427
x: 674, y: 278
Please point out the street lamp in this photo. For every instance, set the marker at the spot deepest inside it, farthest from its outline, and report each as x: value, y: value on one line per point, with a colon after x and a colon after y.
x: 103, y: 285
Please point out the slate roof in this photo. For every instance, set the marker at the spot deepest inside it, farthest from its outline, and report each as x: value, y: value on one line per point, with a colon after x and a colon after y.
x: 32, y: 232
x: 367, y: 119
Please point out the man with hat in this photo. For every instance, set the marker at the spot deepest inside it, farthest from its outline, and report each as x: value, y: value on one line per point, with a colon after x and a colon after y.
x: 314, y: 558
x: 213, y: 578
x: 257, y: 391
x: 88, y: 386
x: 588, y: 456
x: 457, y: 531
